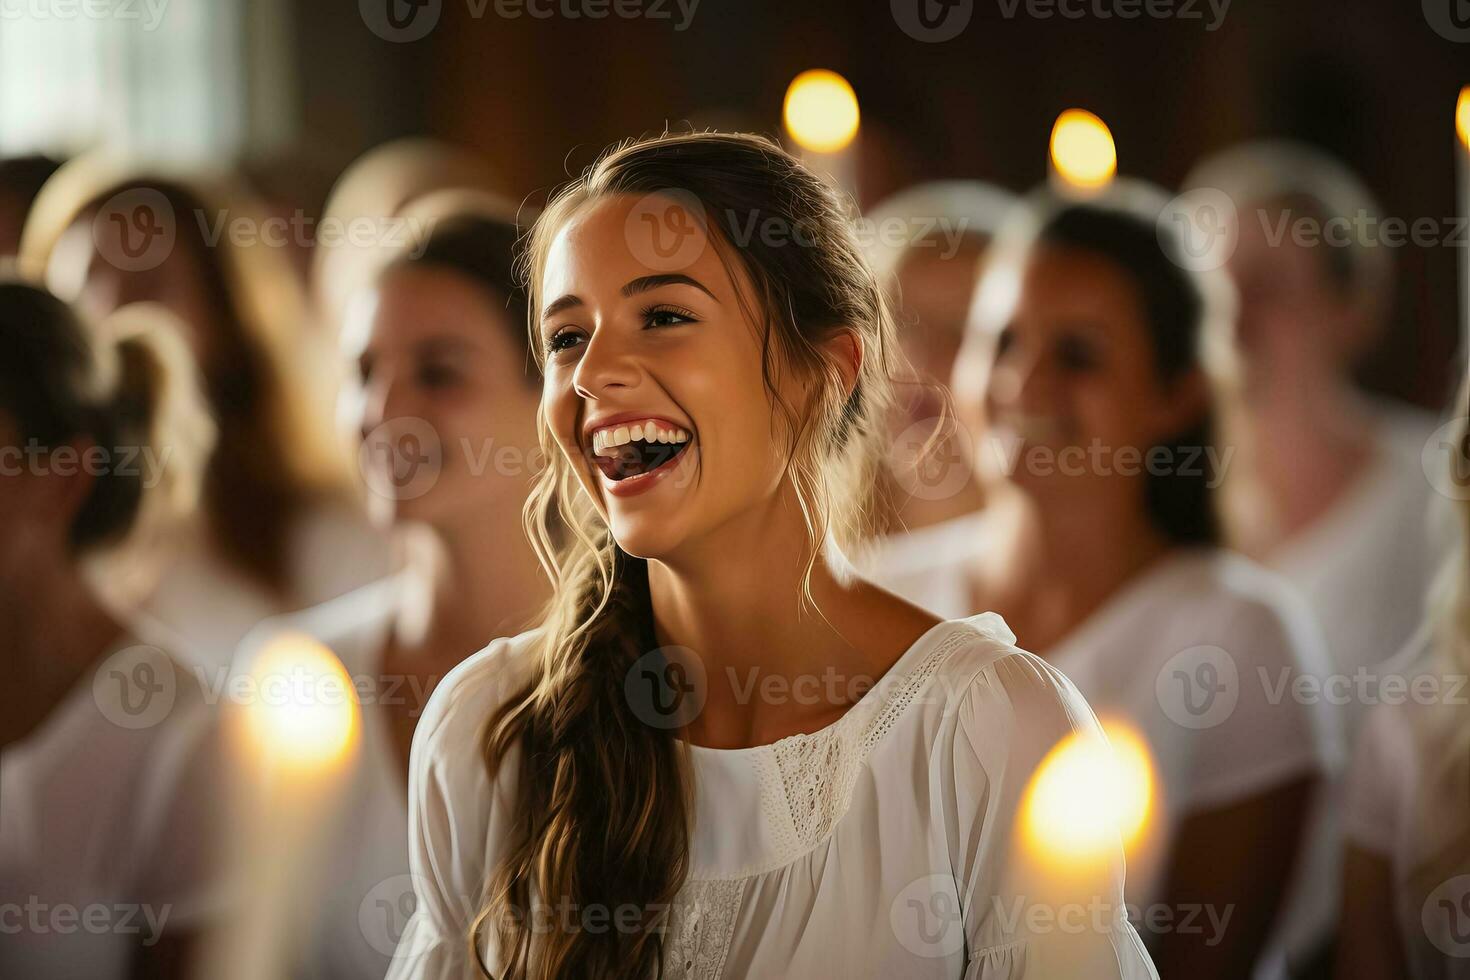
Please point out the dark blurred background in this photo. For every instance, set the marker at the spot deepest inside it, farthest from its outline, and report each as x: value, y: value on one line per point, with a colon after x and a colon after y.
x: 296, y: 90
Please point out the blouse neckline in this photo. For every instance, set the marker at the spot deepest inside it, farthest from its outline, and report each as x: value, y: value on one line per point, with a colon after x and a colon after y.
x: 872, y: 699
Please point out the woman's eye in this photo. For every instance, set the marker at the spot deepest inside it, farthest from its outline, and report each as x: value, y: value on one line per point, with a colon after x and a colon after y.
x: 561, y: 340
x: 1077, y: 355
x: 437, y: 375
x: 667, y: 316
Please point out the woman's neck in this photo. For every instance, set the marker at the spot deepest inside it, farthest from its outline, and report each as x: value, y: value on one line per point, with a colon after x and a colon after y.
x: 1066, y: 560
x: 736, y: 602
x: 1312, y: 440
x: 481, y: 581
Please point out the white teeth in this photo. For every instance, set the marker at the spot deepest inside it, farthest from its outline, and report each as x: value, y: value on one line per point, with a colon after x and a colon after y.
x: 605, y: 442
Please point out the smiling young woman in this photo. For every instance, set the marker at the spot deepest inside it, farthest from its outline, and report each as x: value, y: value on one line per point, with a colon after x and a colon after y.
x: 721, y: 753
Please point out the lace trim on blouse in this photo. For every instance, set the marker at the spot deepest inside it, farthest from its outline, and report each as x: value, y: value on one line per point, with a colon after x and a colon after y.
x: 806, y: 786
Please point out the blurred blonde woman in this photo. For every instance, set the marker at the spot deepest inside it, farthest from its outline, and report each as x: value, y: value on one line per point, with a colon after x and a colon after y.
x: 107, y: 748
x: 1406, y: 906
x: 1335, y: 474
x: 605, y: 795
x: 281, y: 526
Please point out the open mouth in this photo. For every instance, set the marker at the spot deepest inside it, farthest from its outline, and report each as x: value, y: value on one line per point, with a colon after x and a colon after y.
x: 640, y: 449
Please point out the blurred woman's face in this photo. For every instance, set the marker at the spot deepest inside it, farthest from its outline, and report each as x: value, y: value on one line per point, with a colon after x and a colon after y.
x: 654, y: 389
x: 81, y: 271
x: 1061, y: 367
x: 447, y: 410
x: 935, y: 290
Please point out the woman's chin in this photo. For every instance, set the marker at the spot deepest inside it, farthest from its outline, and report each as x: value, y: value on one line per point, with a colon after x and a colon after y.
x: 648, y: 536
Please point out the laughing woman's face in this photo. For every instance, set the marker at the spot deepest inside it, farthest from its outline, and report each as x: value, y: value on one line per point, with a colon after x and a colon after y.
x: 654, y: 388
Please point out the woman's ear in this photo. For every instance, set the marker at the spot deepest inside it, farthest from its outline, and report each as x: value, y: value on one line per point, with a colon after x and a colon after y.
x: 845, y: 348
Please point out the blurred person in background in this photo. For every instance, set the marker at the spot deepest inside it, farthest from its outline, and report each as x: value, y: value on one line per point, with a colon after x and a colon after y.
x: 926, y: 244
x: 1091, y: 351
x: 281, y: 524
x: 1406, y: 878
x: 21, y: 179
x: 447, y: 399
x: 108, y: 748
x: 367, y: 201
x: 1339, y: 494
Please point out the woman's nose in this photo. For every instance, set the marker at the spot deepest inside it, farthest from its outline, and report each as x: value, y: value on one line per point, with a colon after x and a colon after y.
x: 606, y: 363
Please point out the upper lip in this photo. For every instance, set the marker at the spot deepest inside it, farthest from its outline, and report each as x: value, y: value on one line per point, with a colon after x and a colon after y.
x: 603, y: 421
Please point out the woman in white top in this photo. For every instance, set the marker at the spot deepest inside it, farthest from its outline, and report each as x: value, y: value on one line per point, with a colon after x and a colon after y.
x: 1339, y: 494
x: 715, y: 756
x: 1406, y: 910
x: 106, y: 744
x: 1090, y: 364
x: 280, y: 526
x: 447, y: 398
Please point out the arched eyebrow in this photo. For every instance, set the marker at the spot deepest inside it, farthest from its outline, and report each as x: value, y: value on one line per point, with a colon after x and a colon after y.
x: 631, y: 288
x: 645, y: 283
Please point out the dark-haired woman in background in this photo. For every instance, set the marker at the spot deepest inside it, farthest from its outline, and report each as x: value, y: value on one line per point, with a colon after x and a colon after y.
x: 1092, y: 363
x: 447, y: 399
x: 280, y: 527
x: 106, y: 744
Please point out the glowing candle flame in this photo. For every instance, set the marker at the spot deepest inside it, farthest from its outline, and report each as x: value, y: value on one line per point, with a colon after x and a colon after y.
x: 304, y: 713
x: 1082, y: 150
x: 821, y: 111
x: 1462, y: 117
x: 1088, y: 796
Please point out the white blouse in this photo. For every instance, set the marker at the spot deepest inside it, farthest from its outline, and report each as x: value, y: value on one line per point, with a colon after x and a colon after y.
x: 108, y: 811
x: 1409, y: 803
x: 883, y: 845
x: 1366, y: 564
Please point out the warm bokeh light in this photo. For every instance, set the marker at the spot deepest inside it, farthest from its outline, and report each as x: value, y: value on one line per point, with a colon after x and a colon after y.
x: 1082, y: 150
x: 303, y: 712
x: 1462, y: 116
x: 1088, y: 796
x: 821, y: 111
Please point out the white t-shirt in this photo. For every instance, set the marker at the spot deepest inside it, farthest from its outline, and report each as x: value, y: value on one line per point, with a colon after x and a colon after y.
x: 1409, y: 802
x: 883, y: 845
x: 106, y: 818
x: 1199, y: 655
x: 1366, y: 565
x: 364, y: 895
